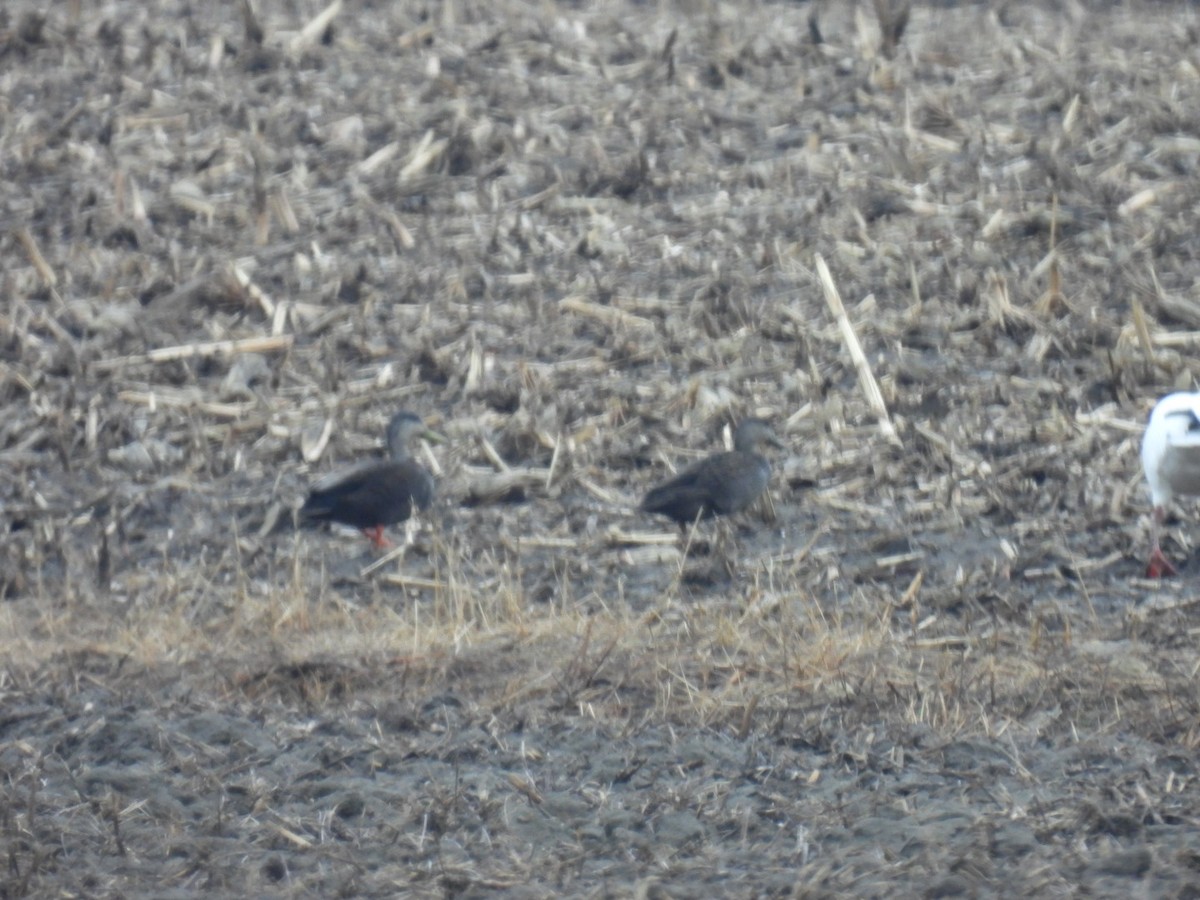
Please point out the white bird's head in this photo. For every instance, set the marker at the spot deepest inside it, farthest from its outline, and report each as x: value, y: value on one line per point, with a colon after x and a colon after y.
x: 1171, y: 447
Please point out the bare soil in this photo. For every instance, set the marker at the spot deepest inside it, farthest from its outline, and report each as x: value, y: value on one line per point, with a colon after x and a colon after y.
x: 581, y: 240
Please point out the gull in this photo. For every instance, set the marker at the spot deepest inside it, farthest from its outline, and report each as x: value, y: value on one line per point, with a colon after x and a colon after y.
x: 1171, y: 460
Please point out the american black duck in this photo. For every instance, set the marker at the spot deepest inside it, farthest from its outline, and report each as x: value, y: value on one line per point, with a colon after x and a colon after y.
x: 718, y: 485
x: 373, y: 495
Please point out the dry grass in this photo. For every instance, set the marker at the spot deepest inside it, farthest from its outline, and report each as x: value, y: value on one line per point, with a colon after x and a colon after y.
x: 949, y: 252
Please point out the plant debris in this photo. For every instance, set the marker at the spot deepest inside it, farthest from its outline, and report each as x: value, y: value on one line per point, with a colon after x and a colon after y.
x: 949, y: 250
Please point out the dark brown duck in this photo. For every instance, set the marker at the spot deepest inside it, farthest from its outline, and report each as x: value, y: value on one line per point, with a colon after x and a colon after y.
x: 721, y: 484
x: 373, y: 495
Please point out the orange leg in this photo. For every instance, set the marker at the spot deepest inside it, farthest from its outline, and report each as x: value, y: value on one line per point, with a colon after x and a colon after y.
x: 1159, y: 565
x: 375, y: 533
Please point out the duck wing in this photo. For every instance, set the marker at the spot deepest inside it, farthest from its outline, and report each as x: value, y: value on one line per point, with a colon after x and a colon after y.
x: 682, y: 498
x: 736, y: 480
x: 370, y: 494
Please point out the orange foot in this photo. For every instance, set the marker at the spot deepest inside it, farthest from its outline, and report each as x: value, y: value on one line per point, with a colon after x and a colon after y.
x: 375, y: 533
x: 1159, y: 565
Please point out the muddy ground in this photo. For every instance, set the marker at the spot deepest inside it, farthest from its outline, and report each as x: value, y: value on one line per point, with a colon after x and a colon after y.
x: 581, y: 240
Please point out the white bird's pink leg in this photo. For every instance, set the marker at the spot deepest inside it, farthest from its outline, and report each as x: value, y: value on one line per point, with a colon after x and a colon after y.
x: 1159, y: 565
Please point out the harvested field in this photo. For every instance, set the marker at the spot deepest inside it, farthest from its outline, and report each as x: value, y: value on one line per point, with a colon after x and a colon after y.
x: 952, y: 259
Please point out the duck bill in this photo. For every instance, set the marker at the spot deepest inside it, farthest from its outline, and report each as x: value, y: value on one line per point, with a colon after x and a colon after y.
x: 433, y: 437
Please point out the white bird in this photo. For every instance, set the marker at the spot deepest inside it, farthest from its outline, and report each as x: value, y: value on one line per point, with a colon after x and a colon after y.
x: 1171, y: 460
